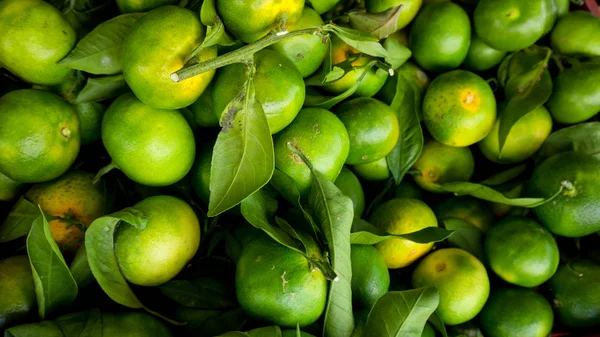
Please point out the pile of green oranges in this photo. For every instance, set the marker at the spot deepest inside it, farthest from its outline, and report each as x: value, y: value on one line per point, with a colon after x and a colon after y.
x: 331, y: 159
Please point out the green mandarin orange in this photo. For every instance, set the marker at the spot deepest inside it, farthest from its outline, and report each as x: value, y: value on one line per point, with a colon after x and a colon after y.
x: 372, y: 127
x: 155, y: 254
x: 575, y: 212
x: 521, y: 252
x: 516, y: 312
x: 374, y: 171
x: 461, y: 280
x: 150, y: 56
x: 18, y: 301
x: 153, y: 147
x: 440, y: 36
x: 276, y: 284
x: 34, y: 36
x: 439, y: 164
x: 51, y: 128
x: 575, y: 293
x: 370, y: 276
x: 511, y: 25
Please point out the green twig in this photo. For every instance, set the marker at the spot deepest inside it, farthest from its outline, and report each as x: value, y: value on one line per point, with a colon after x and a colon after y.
x: 240, y: 55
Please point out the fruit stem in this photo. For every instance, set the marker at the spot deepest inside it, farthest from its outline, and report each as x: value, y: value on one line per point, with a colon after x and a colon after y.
x: 568, y: 188
x: 104, y: 171
x: 240, y: 55
x: 325, y: 268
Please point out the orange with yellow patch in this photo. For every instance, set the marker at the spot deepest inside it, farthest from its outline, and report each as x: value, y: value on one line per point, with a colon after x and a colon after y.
x: 73, y: 198
x: 459, y: 108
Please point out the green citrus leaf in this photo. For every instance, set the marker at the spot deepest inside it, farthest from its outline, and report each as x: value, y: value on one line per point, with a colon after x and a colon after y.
x: 581, y: 138
x: 55, y: 287
x: 437, y: 323
x: 466, y: 236
x: 398, y: 54
x: 362, y: 41
x: 98, y: 89
x: 289, y: 191
x: 18, y: 221
x: 268, y: 331
x: 208, y: 13
x: 80, y: 268
x: 380, y: 25
x: 99, y: 241
x: 215, y: 30
x: 526, y: 89
x: 402, y: 313
x: 100, y: 51
x: 406, y: 104
x: 259, y: 209
x: 44, y: 328
x: 334, y: 212
x: 487, y: 193
x: 363, y: 233
x: 82, y: 323
x: 243, y: 158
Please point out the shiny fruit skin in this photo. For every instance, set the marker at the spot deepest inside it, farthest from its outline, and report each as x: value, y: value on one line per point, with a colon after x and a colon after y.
x: 150, y: 57
x: 155, y: 254
x: 34, y: 36
x: 321, y: 137
x: 440, y: 36
x: 153, y: 147
x: 39, y: 136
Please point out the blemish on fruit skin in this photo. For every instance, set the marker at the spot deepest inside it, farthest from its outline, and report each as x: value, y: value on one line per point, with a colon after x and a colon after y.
x: 273, y: 267
x: 292, y: 295
x: 283, y: 280
x: 440, y: 267
x: 258, y: 258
